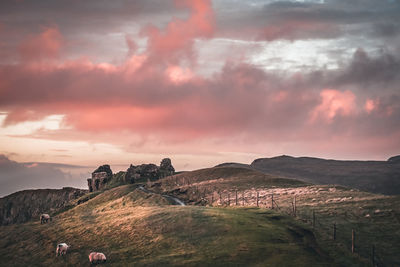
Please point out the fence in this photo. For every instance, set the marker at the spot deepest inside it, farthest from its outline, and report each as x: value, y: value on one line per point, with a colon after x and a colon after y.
x: 341, y: 235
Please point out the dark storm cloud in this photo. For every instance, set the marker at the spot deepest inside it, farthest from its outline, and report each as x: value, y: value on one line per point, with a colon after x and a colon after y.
x: 311, y: 20
x: 367, y: 74
x: 385, y: 29
x: 79, y: 15
x: 371, y: 72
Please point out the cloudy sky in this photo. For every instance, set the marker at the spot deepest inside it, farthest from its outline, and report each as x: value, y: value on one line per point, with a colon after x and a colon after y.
x: 84, y: 83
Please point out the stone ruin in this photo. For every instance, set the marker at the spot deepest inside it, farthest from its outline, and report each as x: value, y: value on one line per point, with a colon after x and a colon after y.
x: 100, y: 177
x: 149, y: 172
x: 141, y: 173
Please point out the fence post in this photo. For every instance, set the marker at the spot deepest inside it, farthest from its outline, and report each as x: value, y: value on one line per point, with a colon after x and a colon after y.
x: 212, y: 198
x: 243, y: 198
x: 229, y: 199
x: 257, y: 198
x: 313, y: 219
x: 295, y: 207
x: 236, y: 197
x: 373, y: 255
x: 353, y: 241
x: 272, y: 201
x: 334, y: 231
x: 220, y: 198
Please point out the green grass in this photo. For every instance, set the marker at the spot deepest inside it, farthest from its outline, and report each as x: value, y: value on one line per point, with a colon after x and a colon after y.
x: 135, y: 228
x: 348, y: 208
x: 381, y: 229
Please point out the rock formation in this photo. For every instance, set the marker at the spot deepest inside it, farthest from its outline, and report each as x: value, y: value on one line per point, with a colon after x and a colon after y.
x: 166, y: 168
x: 100, y: 177
x: 150, y: 172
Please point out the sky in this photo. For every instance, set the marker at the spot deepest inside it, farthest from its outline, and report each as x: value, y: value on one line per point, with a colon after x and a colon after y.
x: 86, y: 83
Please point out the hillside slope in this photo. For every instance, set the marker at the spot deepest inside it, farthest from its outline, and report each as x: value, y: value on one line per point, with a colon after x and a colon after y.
x: 135, y: 228
x: 374, y: 217
x: 24, y: 205
x: 373, y: 176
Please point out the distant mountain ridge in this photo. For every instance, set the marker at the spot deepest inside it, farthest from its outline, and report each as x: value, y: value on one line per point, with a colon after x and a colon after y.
x: 395, y: 159
x: 373, y: 176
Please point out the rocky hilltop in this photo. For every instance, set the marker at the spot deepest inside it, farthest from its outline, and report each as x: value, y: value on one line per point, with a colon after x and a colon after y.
x: 103, y: 176
x: 24, y: 205
x: 150, y: 171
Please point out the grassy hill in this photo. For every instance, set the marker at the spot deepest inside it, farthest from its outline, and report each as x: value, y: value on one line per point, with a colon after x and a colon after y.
x: 141, y: 228
x: 136, y: 228
x: 374, y: 217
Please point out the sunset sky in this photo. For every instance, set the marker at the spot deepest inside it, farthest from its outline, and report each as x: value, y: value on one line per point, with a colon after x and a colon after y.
x: 85, y: 83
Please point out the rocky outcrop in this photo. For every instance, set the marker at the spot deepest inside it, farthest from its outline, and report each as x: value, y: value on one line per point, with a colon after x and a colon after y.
x: 166, y: 168
x: 142, y: 172
x: 24, y: 205
x: 100, y: 177
x: 150, y: 171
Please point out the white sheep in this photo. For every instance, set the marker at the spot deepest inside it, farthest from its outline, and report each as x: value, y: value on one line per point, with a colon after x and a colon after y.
x: 62, y: 249
x: 97, y: 257
x: 44, y: 218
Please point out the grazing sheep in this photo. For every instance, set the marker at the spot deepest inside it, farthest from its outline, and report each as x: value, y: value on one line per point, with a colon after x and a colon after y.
x: 62, y: 249
x: 97, y: 257
x: 44, y: 218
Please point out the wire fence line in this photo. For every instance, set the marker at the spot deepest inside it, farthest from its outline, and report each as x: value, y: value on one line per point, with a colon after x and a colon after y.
x: 339, y: 234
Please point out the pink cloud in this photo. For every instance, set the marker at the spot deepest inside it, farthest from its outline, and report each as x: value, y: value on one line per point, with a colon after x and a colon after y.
x: 280, y: 96
x: 23, y: 114
x: 370, y: 105
x: 155, y: 99
x: 46, y: 45
x: 176, y: 41
x: 33, y: 165
x: 179, y: 75
x: 94, y: 118
x: 334, y: 103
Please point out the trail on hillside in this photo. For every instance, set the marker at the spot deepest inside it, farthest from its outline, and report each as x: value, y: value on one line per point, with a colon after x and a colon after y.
x: 174, y: 199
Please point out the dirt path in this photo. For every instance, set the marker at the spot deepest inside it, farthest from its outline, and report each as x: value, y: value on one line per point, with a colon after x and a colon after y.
x: 174, y: 199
